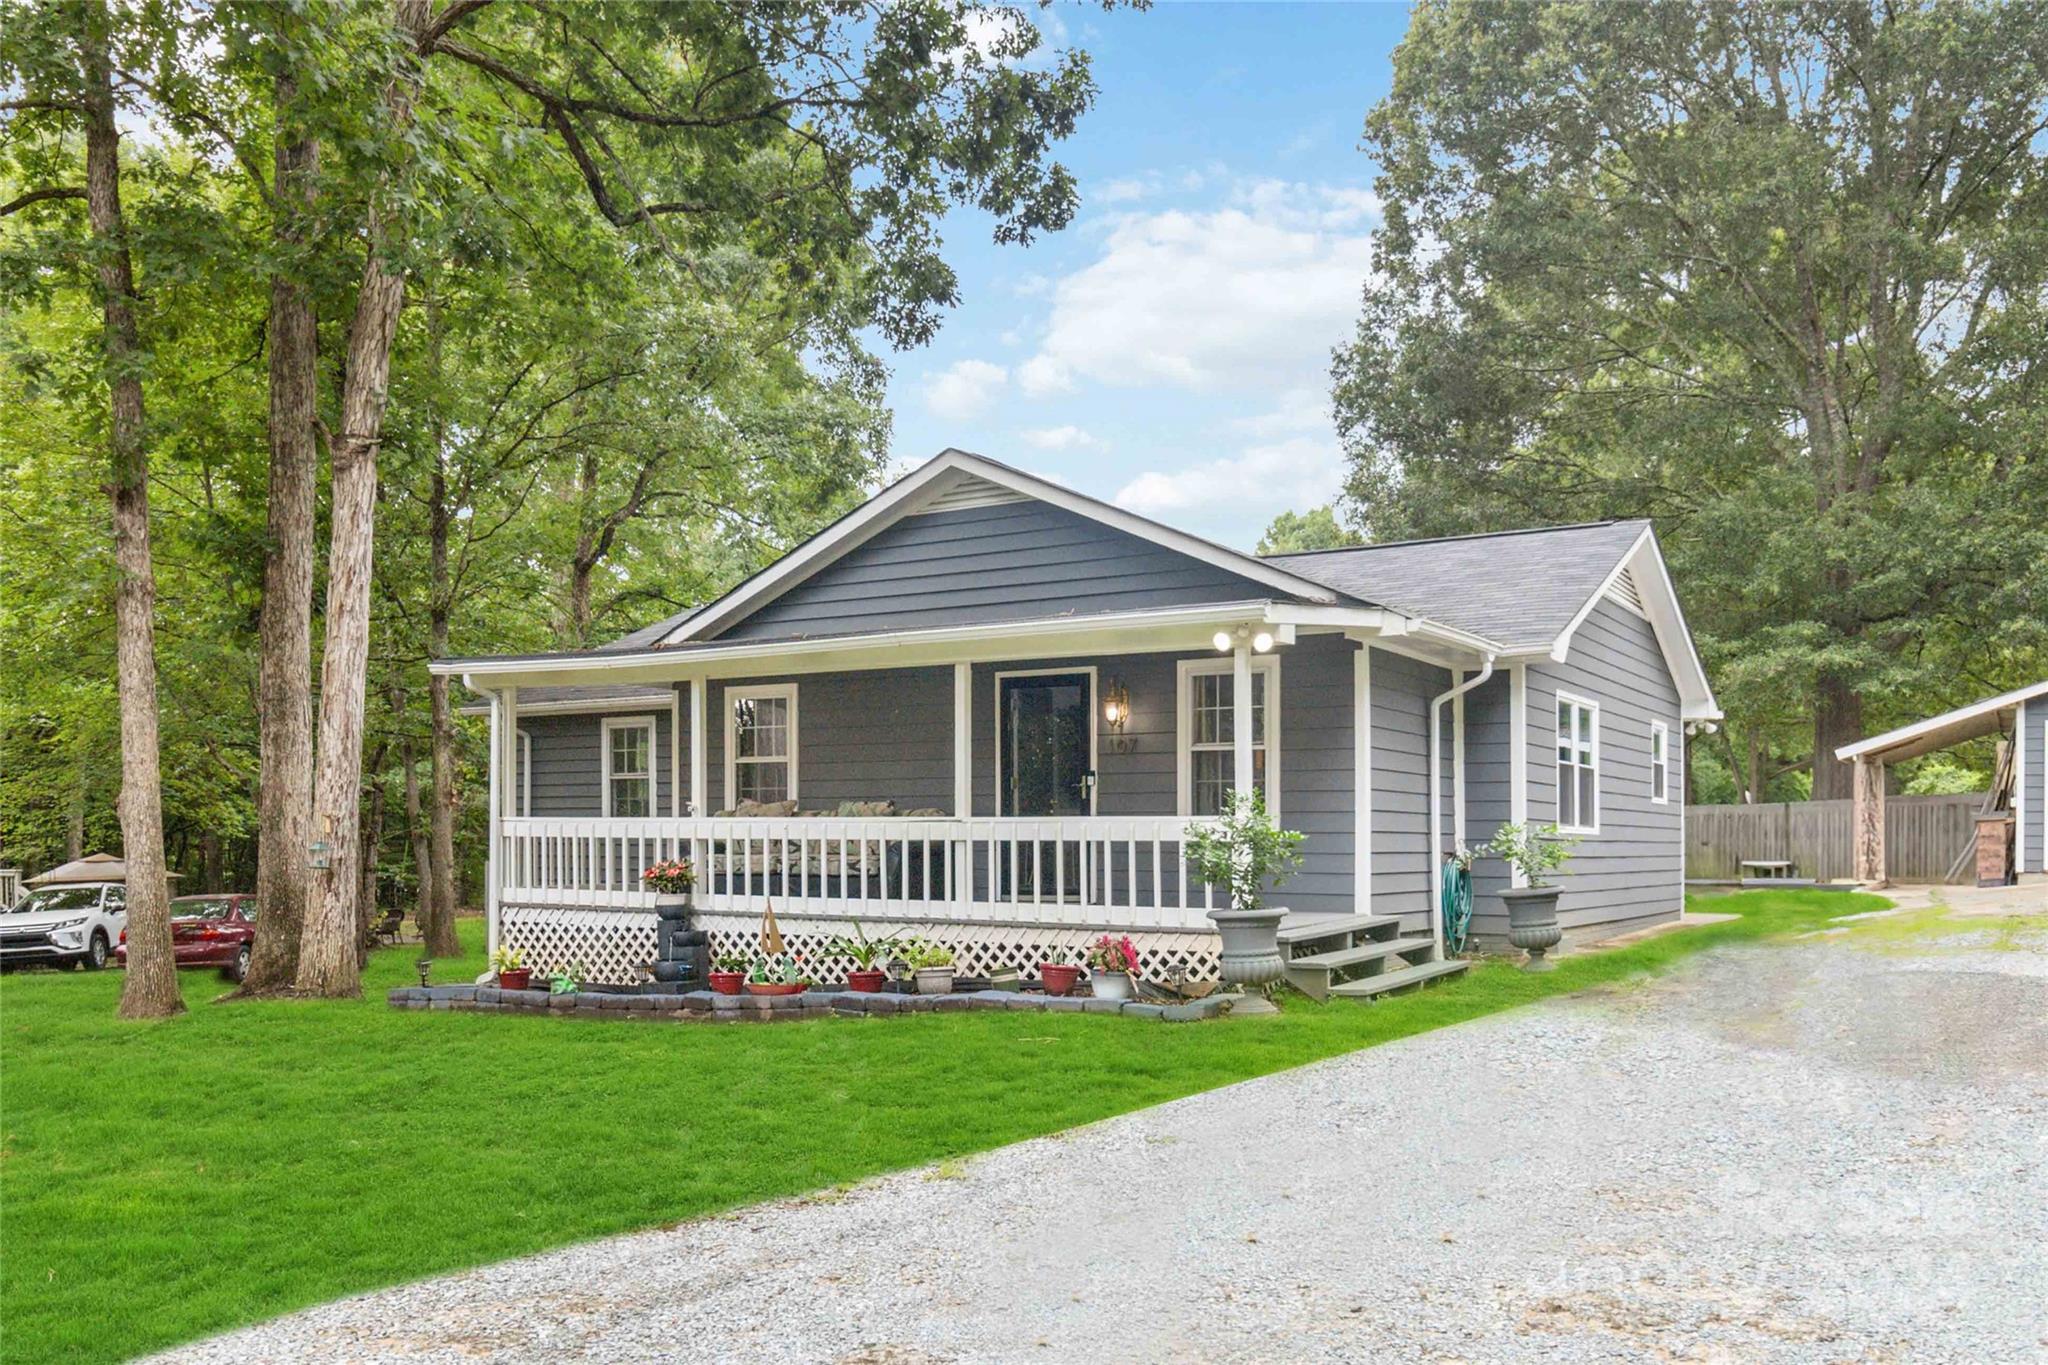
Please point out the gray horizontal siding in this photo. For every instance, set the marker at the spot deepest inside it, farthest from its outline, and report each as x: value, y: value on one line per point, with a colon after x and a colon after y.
x: 1401, y: 856
x: 885, y: 735
x: 1003, y: 563
x: 568, y: 776
x: 2034, y: 736
x: 1634, y: 867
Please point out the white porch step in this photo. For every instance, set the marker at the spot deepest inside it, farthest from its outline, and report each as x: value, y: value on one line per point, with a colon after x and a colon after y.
x: 1314, y: 928
x: 1368, y: 986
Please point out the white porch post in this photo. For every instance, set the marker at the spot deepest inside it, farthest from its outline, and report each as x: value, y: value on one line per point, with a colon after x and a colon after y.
x: 1518, y: 757
x: 504, y: 801
x: 960, y: 859
x: 1241, y: 715
x: 1361, y: 776
x: 699, y: 778
x: 491, y: 855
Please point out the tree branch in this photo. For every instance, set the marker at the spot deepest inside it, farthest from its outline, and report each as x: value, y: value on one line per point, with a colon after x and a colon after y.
x: 38, y: 196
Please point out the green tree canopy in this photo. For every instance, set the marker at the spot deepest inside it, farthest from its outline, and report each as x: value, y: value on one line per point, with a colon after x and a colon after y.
x: 1315, y: 529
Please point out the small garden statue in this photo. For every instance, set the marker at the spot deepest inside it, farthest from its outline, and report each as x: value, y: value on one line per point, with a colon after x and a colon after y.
x: 1532, y: 909
x: 1242, y: 851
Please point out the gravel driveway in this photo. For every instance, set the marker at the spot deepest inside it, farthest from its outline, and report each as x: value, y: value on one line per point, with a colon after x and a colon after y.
x: 1833, y: 1151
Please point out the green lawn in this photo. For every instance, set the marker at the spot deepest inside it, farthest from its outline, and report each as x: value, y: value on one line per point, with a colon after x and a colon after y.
x: 162, y: 1181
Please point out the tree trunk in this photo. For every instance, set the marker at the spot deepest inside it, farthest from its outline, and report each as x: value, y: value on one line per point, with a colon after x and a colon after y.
x: 209, y: 863
x: 327, y: 951
x: 149, y: 988
x: 416, y: 836
x: 1837, y: 720
x: 285, y: 688
x: 373, y: 840
x: 442, y: 940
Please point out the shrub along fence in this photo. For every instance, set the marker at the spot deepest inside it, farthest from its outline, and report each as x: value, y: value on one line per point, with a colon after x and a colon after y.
x: 1922, y: 836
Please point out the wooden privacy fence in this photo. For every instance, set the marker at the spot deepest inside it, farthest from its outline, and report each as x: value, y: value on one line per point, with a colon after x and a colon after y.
x: 1922, y: 836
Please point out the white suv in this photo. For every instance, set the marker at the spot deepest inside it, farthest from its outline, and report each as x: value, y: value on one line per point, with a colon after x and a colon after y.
x: 74, y: 922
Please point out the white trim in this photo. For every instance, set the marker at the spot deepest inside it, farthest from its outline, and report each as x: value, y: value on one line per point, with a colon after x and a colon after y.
x: 1183, y: 756
x: 1557, y: 810
x: 1458, y: 762
x: 1660, y: 606
x: 675, y: 754
x: 1659, y: 729
x: 1518, y: 757
x: 493, y: 856
x: 899, y: 498
x: 1361, y: 779
x: 760, y: 691
x: 610, y: 724
x: 523, y: 799
x: 1962, y: 713
x: 573, y: 708
x: 963, y: 741
x: 1094, y: 725
x: 2019, y: 790
x: 700, y: 748
x: 1435, y: 749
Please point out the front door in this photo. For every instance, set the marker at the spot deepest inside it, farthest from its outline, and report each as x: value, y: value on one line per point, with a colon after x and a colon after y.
x: 1045, y: 735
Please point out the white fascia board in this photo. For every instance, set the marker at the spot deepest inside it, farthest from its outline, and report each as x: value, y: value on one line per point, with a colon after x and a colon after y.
x: 1379, y: 622
x: 901, y: 498
x: 575, y: 708
x: 1892, y: 738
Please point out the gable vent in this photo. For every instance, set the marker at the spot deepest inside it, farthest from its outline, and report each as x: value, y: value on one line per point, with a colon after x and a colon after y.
x: 1624, y: 591
x: 968, y: 491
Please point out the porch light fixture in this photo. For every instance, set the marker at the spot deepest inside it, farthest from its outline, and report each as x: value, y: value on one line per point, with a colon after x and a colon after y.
x: 1227, y: 640
x: 1116, y: 713
x: 319, y: 855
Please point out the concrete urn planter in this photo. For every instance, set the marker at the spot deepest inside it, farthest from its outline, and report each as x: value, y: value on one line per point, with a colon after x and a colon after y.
x: 1251, y: 945
x: 1532, y: 924
x: 673, y: 906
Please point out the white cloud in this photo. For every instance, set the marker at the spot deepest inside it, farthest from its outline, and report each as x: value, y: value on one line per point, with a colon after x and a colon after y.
x: 1122, y: 191
x: 1248, y: 489
x: 964, y: 389
x: 1067, y: 437
x: 1251, y: 296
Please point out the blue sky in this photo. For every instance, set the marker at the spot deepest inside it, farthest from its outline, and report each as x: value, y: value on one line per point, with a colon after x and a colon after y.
x: 1170, y: 350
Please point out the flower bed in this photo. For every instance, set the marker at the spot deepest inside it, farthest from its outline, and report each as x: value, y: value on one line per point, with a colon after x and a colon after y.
x: 709, y: 1007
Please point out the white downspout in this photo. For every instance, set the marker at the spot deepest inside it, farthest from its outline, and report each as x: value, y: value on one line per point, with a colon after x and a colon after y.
x: 1436, y: 798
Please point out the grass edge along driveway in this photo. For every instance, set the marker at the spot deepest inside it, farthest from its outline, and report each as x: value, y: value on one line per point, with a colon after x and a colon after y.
x: 162, y: 1181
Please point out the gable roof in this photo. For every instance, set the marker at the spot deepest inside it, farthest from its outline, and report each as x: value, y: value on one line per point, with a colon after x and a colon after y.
x: 1523, y: 589
x: 945, y: 480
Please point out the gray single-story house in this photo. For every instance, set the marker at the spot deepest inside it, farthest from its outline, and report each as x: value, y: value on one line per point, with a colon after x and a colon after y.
x: 984, y: 708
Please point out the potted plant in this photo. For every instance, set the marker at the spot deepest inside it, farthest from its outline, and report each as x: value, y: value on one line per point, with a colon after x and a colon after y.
x: 1059, y: 978
x: 728, y: 973
x: 1112, y: 967
x: 510, y: 965
x: 777, y: 975
x: 1532, y: 909
x: 931, y: 966
x: 1242, y: 851
x: 671, y: 883
x: 1006, y: 978
x: 867, y: 955
x: 562, y: 980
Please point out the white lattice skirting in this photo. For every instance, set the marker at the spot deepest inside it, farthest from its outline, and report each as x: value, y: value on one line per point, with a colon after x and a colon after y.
x: 612, y: 945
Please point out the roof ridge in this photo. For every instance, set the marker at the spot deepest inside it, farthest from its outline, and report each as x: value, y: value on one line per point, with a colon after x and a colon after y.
x: 1441, y: 540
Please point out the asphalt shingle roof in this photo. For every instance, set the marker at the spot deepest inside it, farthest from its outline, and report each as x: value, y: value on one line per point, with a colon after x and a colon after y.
x: 1519, y: 589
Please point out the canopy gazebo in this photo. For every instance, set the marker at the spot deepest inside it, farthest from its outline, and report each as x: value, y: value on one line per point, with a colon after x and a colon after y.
x: 2020, y: 786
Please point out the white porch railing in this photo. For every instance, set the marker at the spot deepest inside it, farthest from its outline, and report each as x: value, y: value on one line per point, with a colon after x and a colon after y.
x: 1116, y: 872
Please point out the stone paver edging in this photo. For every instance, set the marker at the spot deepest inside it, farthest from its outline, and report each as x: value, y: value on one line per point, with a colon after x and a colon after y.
x: 710, y: 1007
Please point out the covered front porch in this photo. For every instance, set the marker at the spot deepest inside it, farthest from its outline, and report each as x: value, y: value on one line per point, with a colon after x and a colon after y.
x: 1012, y: 791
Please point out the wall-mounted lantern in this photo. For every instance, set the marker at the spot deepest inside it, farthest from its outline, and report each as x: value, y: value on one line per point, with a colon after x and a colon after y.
x: 319, y: 855
x: 1116, y: 713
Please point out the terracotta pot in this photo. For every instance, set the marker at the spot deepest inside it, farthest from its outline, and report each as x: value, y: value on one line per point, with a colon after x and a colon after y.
x: 775, y: 988
x: 1059, y: 978
x: 867, y: 980
x: 727, y: 983
x: 517, y: 980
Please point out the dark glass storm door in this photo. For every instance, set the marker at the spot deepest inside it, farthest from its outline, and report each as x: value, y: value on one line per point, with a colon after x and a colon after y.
x: 1045, y: 731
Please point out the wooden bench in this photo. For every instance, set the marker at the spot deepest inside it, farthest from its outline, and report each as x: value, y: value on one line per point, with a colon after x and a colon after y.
x: 1766, y: 869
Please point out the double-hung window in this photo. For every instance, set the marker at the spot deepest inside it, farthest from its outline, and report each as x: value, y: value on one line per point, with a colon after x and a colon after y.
x: 629, y: 768
x: 1660, y: 762
x: 1578, y: 765
x: 1207, y: 731
x: 760, y: 743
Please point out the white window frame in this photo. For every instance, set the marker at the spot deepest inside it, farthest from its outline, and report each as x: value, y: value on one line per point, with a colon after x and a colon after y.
x: 736, y: 695
x: 1557, y: 808
x: 646, y: 723
x: 1660, y: 767
x: 525, y: 790
x: 1187, y: 670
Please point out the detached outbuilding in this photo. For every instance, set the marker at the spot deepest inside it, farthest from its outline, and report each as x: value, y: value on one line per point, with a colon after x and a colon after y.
x: 2014, y: 824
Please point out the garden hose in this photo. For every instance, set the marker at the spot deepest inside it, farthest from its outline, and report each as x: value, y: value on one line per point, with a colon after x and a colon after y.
x: 1457, y: 907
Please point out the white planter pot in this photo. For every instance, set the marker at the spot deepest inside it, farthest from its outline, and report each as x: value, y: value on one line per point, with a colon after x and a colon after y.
x: 934, y: 980
x: 1111, y: 985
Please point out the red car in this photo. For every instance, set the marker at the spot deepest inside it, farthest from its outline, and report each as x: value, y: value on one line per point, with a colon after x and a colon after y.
x: 209, y: 931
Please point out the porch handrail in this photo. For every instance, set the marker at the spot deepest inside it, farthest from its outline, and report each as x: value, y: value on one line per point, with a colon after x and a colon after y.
x: 1131, y: 870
